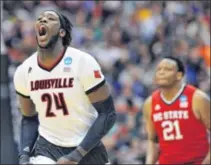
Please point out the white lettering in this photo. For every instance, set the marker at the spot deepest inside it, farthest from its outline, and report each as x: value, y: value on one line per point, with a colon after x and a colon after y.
x: 174, y: 114
x: 180, y: 114
x: 157, y: 117
x: 185, y: 115
x: 165, y: 114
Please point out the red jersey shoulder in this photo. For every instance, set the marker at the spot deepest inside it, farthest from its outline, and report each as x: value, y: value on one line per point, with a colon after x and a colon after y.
x: 190, y: 88
x: 156, y: 100
x: 188, y: 91
x: 155, y: 94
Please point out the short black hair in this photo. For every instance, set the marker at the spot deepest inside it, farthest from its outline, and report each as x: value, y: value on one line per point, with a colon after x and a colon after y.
x: 180, y: 65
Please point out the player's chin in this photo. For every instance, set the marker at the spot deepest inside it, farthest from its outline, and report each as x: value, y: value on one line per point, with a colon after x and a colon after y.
x: 162, y: 83
x: 42, y: 43
x: 43, y: 40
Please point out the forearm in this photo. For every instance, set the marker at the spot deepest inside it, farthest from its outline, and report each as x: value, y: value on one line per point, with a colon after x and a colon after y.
x: 99, y: 129
x: 104, y: 122
x: 152, y: 152
x: 101, y: 126
x: 29, y: 133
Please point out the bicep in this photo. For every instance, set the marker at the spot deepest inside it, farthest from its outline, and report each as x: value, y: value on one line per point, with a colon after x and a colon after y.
x: 201, y: 105
x: 99, y: 94
x: 26, y: 105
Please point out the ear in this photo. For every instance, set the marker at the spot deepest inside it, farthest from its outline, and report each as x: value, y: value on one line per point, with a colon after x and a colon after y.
x: 179, y: 75
x: 62, y: 32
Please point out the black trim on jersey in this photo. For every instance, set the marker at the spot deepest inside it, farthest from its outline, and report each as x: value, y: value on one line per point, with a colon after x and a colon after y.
x: 54, y: 65
x: 173, y: 101
x: 22, y: 95
x: 95, y: 87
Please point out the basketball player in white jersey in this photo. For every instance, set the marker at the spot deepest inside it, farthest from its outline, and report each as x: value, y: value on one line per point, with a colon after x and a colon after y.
x: 65, y: 102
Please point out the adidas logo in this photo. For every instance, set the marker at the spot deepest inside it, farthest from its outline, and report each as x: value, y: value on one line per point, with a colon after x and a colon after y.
x: 27, y: 149
x: 157, y: 107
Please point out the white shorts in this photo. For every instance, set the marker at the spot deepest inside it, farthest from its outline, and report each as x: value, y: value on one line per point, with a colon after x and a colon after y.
x: 41, y: 160
x: 44, y: 160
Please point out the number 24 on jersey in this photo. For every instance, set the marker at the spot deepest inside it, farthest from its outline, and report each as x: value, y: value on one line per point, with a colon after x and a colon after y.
x: 59, y: 101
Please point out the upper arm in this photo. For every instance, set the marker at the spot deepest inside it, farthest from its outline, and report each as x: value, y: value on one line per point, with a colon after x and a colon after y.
x: 92, y: 80
x: 20, y: 83
x: 201, y: 105
x: 26, y: 106
x: 99, y: 94
x: 151, y: 133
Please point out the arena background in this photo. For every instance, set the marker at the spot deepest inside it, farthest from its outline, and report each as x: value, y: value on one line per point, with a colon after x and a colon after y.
x: 127, y: 38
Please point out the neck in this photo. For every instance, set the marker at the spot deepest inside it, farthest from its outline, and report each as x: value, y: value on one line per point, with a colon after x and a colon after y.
x: 170, y: 92
x: 50, y: 54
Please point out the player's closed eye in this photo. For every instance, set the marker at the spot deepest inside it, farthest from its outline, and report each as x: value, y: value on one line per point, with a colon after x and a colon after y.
x: 167, y: 69
x: 51, y: 18
x: 158, y: 69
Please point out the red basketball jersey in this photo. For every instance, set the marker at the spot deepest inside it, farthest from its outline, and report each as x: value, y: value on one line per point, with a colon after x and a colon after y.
x: 182, y: 137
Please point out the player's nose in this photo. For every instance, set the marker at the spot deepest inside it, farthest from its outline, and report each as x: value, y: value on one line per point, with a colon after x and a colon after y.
x: 43, y: 20
x: 161, y: 72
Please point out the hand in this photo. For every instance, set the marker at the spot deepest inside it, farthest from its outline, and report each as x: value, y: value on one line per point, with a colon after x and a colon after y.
x: 64, y: 160
x: 73, y: 158
x: 24, y: 159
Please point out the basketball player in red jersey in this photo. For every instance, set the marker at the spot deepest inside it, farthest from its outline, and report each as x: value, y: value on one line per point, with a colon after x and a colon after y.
x: 177, y: 117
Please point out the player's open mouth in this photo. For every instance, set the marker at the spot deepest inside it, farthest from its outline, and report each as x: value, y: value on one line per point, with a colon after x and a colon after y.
x: 42, y: 32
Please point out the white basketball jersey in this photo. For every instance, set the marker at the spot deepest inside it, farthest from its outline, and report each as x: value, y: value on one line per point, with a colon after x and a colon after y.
x: 60, y: 94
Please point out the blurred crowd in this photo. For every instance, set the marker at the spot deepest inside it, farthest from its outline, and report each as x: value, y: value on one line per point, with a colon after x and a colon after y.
x: 127, y: 38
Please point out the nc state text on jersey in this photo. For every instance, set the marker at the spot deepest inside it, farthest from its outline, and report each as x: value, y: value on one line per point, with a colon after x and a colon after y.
x: 175, y: 114
x: 52, y: 83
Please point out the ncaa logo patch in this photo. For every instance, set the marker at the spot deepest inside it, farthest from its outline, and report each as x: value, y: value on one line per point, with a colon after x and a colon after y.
x: 183, y: 101
x: 67, y: 60
x: 183, y: 98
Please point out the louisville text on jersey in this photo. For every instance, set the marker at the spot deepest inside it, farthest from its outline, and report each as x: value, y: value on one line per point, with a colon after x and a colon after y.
x: 177, y: 114
x: 52, y: 83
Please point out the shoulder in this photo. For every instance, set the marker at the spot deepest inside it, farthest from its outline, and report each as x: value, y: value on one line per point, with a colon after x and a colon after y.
x: 77, y: 53
x: 81, y: 56
x: 156, y: 93
x: 155, y: 96
x: 147, y: 105
x: 27, y: 63
x: 190, y: 88
x: 148, y: 100
x: 199, y: 95
x: 200, y: 102
x: 201, y: 107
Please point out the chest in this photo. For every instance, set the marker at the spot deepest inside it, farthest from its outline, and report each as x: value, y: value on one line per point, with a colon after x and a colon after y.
x: 173, y: 121
x: 62, y: 81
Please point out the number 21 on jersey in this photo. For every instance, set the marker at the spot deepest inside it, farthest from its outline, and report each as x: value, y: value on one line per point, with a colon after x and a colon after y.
x: 171, y: 130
